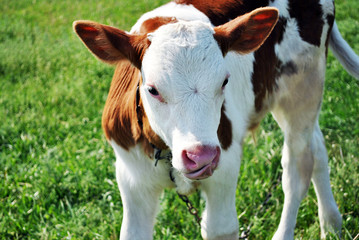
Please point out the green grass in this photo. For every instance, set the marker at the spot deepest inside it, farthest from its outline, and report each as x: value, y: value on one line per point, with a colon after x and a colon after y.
x: 56, y: 168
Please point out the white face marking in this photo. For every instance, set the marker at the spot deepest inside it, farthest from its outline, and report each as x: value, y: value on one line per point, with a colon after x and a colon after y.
x: 186, y: 67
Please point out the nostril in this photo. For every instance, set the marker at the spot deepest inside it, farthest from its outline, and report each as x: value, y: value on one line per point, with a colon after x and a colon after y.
x: 188, y: 160
x: 200, y: 156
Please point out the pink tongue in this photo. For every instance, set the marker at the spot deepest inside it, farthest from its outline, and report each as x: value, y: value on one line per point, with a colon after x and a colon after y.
x: 202, y: 173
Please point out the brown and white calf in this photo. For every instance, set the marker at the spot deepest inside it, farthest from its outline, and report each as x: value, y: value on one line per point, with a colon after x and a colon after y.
x: 192, y: 77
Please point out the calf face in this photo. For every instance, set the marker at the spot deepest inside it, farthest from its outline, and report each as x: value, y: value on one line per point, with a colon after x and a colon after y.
x: 183, y: 80
x: 183, y: 91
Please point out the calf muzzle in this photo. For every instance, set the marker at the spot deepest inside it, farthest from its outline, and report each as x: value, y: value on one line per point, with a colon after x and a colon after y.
x: 200, y: 161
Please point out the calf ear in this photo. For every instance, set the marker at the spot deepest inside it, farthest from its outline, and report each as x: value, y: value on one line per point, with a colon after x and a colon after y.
x: 248, y: 32
x: 110, y: 44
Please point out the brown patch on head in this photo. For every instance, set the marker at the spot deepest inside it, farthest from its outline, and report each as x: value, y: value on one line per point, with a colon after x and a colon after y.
x: 224, y: 131
x: 114, y: 46
x: 152, y: 24
x: 119, y: 118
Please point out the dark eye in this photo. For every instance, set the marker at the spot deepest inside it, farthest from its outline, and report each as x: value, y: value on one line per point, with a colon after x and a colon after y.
x: 225, y: 83
x: 153, y: 91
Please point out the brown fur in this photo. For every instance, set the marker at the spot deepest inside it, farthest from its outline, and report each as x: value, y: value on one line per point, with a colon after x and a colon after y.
x: 224, y: 131
x: 221, y: 11
x: 153, y: 24
x: 248, y: 32
x: 114, y: 46
x: 309, y: 18
x: 264, y: 74
x: 110, y: 44
x: 120, y: 119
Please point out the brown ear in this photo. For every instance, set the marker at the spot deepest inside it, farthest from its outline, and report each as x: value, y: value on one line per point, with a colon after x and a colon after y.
x: 110, y: 44
x: 248, y: 32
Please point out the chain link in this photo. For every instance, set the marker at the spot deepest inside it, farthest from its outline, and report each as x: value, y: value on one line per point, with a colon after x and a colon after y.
x: 192, y: 210
x: 245, y: 234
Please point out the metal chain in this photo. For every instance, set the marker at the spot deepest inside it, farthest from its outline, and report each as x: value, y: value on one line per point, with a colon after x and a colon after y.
x: 192, y: 210
x: 245, y: 234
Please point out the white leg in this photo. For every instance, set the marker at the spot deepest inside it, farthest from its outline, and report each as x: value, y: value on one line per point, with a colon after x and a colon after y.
x: 329, y: 216
x: 139, y: 210
x: 140, y: 184
x: 220, y: 216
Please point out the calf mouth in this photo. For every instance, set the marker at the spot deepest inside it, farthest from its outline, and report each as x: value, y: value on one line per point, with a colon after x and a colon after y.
x: 202, y: 173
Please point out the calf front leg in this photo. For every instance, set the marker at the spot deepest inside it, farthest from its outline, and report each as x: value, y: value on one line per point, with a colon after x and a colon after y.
x: 140, y: 204
x: 140, y: 184
x: 220, y: 217
x: 139, y: 210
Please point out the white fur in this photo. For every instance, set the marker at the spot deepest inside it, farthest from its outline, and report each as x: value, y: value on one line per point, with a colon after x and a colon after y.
x: 327, y: 7
x: 297, y: 114
x: 186, y: 66
x: 220, y: 216
x: 140, y: 184
x: 183, y: 82
x: 292, y: 47
x: 282, y: 6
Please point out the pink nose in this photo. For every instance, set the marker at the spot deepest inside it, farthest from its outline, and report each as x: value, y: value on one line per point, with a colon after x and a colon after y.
x: 200, y: 161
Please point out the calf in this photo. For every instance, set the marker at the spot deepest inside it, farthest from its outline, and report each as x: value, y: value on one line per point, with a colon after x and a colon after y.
x: 192, y: 77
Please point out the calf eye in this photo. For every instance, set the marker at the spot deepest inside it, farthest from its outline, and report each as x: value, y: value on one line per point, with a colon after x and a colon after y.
x: 225, y: 83
x: 153, y: 91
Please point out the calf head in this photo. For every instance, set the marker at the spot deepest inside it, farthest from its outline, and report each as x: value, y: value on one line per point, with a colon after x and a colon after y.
x: 183, y: 79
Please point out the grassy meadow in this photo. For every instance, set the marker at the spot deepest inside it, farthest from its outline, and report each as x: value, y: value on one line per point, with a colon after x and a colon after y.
x: 57, y: 176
